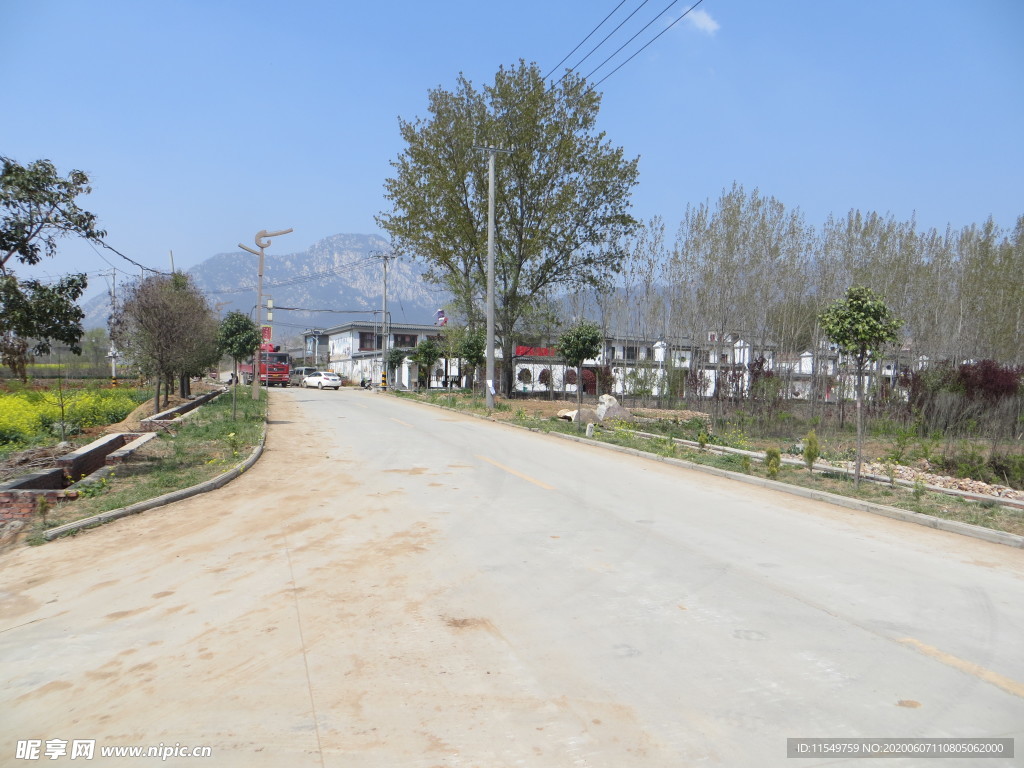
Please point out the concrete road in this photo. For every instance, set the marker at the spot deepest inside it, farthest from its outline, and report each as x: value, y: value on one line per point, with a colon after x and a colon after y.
x: 396, y: 585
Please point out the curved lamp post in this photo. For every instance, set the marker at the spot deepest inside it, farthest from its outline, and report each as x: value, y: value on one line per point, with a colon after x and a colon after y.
x: 262, y: 241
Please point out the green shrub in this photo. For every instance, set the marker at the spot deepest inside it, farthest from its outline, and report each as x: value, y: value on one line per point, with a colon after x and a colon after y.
x: 773, y: 462
x: 1009, y: 469
x: 811, y: 450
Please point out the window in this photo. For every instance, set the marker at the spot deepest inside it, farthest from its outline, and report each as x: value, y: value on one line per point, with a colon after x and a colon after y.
x: 405, y: 339
x: 369, y: 340
x: 629, y: 353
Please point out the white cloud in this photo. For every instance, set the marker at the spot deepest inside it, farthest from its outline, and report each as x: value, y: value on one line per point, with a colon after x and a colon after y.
x: 702, y: 20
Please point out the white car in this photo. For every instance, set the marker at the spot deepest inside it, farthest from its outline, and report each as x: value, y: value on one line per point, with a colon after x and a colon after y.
x: 322, y: 379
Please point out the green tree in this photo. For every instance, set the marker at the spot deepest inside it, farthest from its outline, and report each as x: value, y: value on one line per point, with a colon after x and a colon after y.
x: 561, y: 196
x: 861, y: 325
x: 237, y: 337
x: 37, y: 208
x: 474, y: 351
x: 393, y: 360
x: 427, y: 353
x: 581, y: 342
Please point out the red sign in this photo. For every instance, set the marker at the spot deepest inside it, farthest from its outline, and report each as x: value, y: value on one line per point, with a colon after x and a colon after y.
x: 268, y: 333
x: 535, y: 352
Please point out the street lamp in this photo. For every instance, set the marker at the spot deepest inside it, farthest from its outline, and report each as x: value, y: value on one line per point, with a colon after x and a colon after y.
x: 262, y: 241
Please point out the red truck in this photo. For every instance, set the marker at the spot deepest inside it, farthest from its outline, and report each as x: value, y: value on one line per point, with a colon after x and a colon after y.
x: 274, y: 367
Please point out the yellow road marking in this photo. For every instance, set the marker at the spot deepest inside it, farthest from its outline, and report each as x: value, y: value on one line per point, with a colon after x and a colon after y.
x: 520, y: 475
x: 1000, y: 681
x: 403, y: 423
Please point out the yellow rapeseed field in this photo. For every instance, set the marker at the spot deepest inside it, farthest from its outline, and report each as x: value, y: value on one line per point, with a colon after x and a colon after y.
x: 28, y: 415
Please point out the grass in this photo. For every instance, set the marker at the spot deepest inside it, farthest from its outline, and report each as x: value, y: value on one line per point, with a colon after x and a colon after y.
x: 204, y: 445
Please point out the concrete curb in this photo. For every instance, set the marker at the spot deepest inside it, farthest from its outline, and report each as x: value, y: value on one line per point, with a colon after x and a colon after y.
x: 113, y: 514
x: 951, y: 526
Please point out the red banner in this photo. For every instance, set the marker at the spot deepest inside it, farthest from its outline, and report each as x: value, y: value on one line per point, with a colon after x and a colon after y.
x: 535, y: 352
x: 268, y: 333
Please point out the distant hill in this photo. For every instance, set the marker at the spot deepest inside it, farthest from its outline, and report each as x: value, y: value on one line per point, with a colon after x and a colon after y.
x: 341, y: 272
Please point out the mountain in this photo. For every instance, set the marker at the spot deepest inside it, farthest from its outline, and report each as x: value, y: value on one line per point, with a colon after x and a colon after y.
x: 343, y: 273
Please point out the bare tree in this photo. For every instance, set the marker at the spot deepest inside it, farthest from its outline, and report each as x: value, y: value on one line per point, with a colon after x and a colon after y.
x: 165, y: 328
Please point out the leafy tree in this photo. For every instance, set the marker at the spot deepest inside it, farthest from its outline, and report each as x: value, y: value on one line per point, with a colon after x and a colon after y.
x: 561, y: 196
x: 474, y: 351
x: 37, y: 208
x: 237, y: 337
x: 396, y: 357
x: 581, y: 342
x: 861, y: 325
x: 427, y: 353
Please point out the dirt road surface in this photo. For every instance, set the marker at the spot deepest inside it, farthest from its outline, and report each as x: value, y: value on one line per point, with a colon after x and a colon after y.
x: 321, y: 611
x: 284, y: 620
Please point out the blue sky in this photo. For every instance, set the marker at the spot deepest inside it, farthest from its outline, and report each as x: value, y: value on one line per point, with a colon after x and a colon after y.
x: 204, y: 121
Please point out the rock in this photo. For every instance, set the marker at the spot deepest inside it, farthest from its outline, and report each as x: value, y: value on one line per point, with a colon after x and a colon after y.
x: 604, y: 402
x: 588, y: 415
x: 585, y: 416
x: 609, y: 409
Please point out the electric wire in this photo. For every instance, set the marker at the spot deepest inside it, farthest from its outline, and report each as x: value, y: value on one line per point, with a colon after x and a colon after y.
x: 580, y: 44
x: 143, y: 267
x: 634, y: 37
x: 593, y: 85
x: 640, y: 50
x: 603, y: 41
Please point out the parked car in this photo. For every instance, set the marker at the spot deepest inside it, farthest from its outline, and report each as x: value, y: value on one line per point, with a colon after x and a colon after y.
x: 298, y: 374
x: 321, y: 379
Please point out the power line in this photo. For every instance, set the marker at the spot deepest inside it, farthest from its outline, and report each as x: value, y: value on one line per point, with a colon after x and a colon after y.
x: 666, y: 29
x: 621, y: 23
x: 334, y: 311
x: 570, y: 53
x: 634, y: 37
x: 143, y: 267
x: 591, y: 86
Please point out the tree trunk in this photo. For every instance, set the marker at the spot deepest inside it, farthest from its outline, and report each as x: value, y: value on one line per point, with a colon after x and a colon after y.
x: 156, y: 396
x: 579, y: 398
x: 860, y: 427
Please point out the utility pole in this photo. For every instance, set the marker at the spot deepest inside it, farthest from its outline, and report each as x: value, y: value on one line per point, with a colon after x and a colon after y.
x: 489, y: 383
x: 112, y: 354
x: 387, y: 331
x: 385, y: 321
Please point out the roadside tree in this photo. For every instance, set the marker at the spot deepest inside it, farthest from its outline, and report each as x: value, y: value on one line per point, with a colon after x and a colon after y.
x: 37, y: 208
x: 581, y: 342
x: 426, y: 353
x: 561, y: 196
x: 165, y: 328
x: 861, y: 325
x: 237, y: 337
